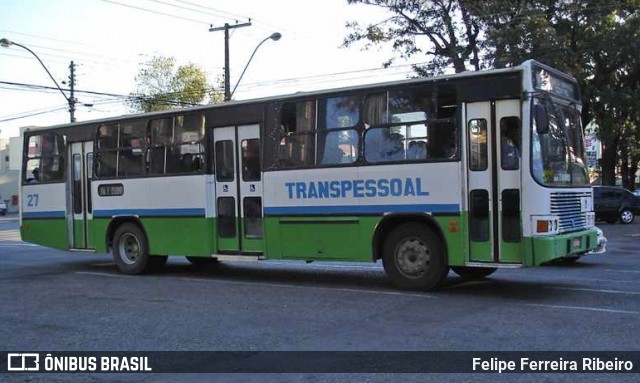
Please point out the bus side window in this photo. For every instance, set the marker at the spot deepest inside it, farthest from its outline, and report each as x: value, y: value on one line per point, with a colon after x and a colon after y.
x: 383, y: 145
x: 297, y: 147
x: 45, y: 158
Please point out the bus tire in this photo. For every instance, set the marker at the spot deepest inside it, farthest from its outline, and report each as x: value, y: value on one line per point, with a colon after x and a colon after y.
x: 202, y: 261
x: 131, y: 250
x: 473, y: 272
x: 413, y: 257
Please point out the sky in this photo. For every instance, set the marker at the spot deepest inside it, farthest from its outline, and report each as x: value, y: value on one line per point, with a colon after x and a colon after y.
x: 108, y: 39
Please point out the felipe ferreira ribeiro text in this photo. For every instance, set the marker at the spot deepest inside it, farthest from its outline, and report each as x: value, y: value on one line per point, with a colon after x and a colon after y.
x: 529, y: 365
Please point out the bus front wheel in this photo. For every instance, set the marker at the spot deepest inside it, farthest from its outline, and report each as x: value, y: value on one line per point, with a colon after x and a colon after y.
x: 131, y: 251
x: 413, y: 257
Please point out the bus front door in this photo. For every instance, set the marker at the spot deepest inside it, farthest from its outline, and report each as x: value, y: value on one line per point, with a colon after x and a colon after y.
x: 80, y: 186
x: 238, y: 190
x: 494, y: 145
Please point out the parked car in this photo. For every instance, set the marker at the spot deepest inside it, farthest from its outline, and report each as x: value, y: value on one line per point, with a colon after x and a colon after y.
x: 3, y: 207
x: 636, y: 192
x: 613, y: 203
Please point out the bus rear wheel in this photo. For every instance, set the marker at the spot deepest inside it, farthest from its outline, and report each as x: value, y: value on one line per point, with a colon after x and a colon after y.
x: 413, y: 257
x: 473, y: 272
x: 131, y: 251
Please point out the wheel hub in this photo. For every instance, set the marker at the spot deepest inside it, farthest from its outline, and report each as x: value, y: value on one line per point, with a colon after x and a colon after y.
x: 129, y: 249
x: 412, y: 257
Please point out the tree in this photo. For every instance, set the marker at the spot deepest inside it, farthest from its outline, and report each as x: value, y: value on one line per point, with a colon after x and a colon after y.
x: 161, y: 86
x: 443, y: 31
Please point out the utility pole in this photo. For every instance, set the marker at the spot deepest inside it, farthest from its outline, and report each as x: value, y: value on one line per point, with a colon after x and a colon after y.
x: 72, y: 99
x: 227, y: 74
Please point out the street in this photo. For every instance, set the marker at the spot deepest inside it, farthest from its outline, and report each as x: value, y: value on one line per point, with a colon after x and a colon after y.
x: 59, y: 301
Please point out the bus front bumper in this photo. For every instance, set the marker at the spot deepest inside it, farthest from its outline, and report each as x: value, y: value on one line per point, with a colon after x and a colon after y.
x: 547, y: 248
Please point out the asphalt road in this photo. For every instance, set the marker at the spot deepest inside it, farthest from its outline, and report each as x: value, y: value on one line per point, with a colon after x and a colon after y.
x: 58, y: 301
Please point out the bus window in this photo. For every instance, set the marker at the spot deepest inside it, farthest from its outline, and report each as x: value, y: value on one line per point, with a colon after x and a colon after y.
x: 375, y: 109
x: 107, y: 137
x: 32, y: 173
x: 251, y: 160
x: 176, y: 144
x: 410, y: 105
x: 161, y: 134
x: 340, y: 147
x: 131, y: 149
x: 339, y: 112
x: 252, y: 207
x: 478, y: 155
x: 337, y: 143
x: 510, y: 143
x: 297, y: 147
x: 419, y: 125
x: 188, y: 137
x: 226, y: 217
x: 106, y: 163
x: 385, y: 144
x: 224, y: 161
x: 45, y: 158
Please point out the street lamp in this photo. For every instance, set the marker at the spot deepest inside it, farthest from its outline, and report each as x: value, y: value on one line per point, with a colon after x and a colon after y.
x: 7, y: 43
x: 275, y: 37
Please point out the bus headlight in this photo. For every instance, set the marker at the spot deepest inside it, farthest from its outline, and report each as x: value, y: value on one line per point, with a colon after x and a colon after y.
x: 545, y: 224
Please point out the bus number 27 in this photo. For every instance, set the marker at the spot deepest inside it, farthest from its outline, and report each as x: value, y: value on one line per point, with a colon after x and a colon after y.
x: 32, y: 200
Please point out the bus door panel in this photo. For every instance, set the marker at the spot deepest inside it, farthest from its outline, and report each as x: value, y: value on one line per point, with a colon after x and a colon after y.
x: 494, y: 163
x: 480, y: 221
x: 238, y: 180
x: 509, y: 169
x: 81, y: 203
x: 250, y: 187
x: 226, y: 189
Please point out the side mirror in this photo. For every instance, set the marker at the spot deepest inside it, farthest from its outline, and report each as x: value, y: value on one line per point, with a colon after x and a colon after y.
x: 541, y: 118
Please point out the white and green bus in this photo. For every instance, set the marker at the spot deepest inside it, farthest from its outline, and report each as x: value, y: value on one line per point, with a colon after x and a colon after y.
x: 470, y: 172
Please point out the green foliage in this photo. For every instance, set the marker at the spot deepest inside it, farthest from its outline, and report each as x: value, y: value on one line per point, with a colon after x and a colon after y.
x: 162, y: 86
x: 445, y: 32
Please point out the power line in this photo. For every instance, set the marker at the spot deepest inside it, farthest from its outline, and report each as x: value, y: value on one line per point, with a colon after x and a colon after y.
x: 46, y: 38
x: 34, y: 114
x: 233, y: 16
x: 190, y: 9
x: 157, y: 12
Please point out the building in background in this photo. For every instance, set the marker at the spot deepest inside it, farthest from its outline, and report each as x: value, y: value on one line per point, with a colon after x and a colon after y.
x: 10, y: 158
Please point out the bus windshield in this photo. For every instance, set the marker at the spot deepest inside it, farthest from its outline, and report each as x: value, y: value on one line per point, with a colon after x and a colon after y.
x: 558, y: 152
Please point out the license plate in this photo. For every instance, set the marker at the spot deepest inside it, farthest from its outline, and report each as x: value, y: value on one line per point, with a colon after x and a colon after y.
x: 576, y: 243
